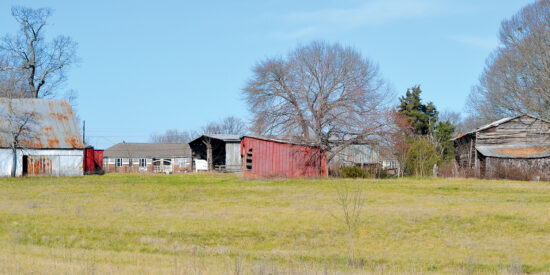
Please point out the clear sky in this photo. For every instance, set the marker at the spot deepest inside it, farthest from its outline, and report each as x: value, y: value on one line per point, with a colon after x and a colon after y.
x: 147, y: 66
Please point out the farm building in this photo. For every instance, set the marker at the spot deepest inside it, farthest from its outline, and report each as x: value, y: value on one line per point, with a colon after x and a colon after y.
x: 268, y: 157
x: 39, y: 137
x: 93, y: 161
x: 360, y: 154
x: 519, y: 144
x: 222, y: 150
x: 147, y: 157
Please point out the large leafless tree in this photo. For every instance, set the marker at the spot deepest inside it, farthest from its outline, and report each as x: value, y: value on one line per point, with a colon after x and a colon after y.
x: 516, y: 79
x: 323, y: 94
x: 40, y: 65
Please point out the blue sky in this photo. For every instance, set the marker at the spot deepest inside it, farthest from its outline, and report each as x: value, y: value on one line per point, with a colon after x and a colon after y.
x: 147, y: 66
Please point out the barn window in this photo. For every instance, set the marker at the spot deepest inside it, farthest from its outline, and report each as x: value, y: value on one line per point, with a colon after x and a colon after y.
x: 249, y: 159
x: 118, y: 162
x: 142, y: 163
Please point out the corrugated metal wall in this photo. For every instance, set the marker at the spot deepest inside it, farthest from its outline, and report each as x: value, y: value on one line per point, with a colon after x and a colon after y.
x: 43, y: 162
x: 265, y: 158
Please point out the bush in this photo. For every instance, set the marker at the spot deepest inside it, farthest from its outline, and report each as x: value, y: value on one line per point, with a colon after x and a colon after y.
x: 422, y: 157
x: 354, y: 172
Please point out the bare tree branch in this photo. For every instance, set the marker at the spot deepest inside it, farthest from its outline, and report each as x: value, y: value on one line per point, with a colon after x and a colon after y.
x: 41, y: 64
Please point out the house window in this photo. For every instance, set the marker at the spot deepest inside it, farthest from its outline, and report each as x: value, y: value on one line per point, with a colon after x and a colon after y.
x: 249, y: 159
x: 131, y: 162
x: 118, y: 162
x: 142, y: 163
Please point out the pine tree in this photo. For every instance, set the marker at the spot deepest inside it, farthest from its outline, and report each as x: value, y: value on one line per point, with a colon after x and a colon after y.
x: 423, y: 117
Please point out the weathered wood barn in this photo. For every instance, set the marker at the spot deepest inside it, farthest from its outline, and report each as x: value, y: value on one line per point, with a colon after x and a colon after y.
x: 520, y: 143
x: 268, y: 157
x: 222, y: 151
x: 39, y: 137
x: 147, y: 158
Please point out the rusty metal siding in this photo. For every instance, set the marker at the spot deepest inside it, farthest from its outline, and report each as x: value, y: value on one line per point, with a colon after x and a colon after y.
x: 278, y: 159
x: 44, y: 162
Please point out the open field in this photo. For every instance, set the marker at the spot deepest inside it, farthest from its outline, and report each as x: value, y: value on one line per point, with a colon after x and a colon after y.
x: 221, y: 224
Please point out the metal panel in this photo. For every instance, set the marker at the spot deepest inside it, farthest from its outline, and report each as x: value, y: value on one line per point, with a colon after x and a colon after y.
x: 53, y: 124
x: 356, y: 154
x: 278, y: 159
x: 45, y: 162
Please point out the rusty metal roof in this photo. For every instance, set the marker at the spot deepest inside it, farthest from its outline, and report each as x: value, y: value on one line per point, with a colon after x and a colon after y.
x: 53, y: 124
x: 515, y: 151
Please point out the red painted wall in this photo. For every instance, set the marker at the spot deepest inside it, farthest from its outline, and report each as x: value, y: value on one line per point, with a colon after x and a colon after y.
x: 279, y: 159
x: 93, y: 160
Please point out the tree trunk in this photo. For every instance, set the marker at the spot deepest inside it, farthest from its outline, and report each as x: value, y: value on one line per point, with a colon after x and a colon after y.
x: 209, y: 156
x: 14, y: 164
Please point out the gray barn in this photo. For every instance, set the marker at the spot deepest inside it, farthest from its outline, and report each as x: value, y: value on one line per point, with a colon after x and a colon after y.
x: 50, y: 144
x: 510, y: 146
x: 224, y: 151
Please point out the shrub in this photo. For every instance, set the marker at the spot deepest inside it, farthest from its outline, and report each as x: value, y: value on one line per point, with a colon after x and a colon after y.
x: 422, y: 157
x: 354, y: 172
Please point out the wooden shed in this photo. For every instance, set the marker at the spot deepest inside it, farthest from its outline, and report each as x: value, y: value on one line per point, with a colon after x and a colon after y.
x: 520, y: 143
x: 269, y: 157
x: 221, y: 151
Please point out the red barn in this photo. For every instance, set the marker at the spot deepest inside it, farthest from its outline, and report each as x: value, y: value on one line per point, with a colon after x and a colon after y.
x: 267, y: 157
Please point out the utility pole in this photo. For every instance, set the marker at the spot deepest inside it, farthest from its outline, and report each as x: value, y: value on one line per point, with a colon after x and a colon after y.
x: 84, y: 132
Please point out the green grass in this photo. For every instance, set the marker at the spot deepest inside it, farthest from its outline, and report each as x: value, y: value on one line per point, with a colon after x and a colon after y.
x: 199, y: 224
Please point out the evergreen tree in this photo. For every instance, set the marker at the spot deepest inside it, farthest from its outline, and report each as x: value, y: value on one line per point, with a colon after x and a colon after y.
x: 423, y: 117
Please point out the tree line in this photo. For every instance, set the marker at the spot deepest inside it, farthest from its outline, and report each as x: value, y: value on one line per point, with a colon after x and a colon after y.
x: 328, y: 95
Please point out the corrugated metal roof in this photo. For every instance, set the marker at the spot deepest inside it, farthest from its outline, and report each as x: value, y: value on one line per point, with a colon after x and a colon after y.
x: 137, y: 150
x: 515, y: 151
x: 224, y: 137
x: 53, y: 123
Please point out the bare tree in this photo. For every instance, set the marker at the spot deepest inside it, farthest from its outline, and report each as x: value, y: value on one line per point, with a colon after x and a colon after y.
x: 399, y: 133
x: 11, y: 84
x: 321, y: 94
x: 41, y: 65
x: 230, y: 125
x: 17, y: 127
x: 351, y: 201
x: 516, y: 79
x: 174, y: 136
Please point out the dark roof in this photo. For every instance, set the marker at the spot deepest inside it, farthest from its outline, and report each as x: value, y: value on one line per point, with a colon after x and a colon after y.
x: 222, y: 137
x: 136, y: 150
x: 53, y: 124
x: 515, y: 151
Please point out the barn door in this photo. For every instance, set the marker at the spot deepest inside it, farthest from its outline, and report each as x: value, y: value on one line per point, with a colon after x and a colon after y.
x: 42, y: 165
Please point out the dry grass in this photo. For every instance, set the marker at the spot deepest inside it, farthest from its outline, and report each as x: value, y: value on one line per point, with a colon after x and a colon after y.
x: 220, y: 224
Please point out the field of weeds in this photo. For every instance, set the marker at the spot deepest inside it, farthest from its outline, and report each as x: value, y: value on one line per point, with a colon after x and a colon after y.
x: 222, y: 224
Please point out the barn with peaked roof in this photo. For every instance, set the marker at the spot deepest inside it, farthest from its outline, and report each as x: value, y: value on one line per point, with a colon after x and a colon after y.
x: 39, y: 137
x: 507, y: 148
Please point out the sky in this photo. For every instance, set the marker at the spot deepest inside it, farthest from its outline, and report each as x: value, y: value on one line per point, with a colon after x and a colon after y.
x: 148, y: 66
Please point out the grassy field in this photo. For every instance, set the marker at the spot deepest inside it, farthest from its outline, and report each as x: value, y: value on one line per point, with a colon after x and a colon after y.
x: 221, y: 224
